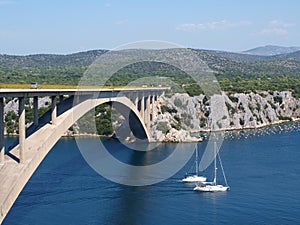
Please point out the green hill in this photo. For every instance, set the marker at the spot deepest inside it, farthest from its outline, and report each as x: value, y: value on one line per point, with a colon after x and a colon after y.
x: 235, y: 71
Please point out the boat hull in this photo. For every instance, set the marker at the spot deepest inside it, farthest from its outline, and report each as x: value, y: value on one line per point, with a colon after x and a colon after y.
x: 191, y: 179
x: 211, y: 188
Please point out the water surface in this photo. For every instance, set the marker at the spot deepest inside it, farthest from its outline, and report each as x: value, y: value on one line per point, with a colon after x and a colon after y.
x: 262, y: 170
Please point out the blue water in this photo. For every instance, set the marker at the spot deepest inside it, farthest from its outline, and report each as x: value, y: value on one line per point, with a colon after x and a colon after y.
x: 262, y: 170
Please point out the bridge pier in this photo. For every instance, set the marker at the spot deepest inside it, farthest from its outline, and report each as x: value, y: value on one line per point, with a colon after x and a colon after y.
x: 146, y: 108
x: 35, y: 111
x: 142, y: 110
x: 152, y: 108
x: 22, y: 129
x: 136, y: 101
x: 1, y: 131
x: 53, y: 109
x: 147, y: 116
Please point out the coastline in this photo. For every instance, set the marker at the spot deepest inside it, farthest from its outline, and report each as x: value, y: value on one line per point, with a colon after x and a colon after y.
x: 294, y: 120
x: 70, y: 135
x: 250, y: 127
x: 87, y: 135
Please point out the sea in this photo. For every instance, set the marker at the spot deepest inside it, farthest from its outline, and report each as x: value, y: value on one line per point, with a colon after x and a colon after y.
x: 262, y: 168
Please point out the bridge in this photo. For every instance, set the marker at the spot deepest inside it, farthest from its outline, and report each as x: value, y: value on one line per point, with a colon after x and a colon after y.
x: 18, y: 162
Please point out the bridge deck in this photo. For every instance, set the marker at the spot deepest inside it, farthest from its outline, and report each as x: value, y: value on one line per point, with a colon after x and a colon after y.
x: 9, y: 92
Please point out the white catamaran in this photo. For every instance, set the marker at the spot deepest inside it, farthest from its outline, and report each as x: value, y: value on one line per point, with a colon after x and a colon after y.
x: 189, y: 178
x: 213, y: 186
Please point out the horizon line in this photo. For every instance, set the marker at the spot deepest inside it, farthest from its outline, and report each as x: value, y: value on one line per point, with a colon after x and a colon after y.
x: 104, y: 49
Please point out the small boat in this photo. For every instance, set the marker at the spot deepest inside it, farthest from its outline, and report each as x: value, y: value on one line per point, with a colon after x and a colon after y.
x: 213, y: 186
x: 210, y: 188
x: 190, y: 178
x: 193, y: 178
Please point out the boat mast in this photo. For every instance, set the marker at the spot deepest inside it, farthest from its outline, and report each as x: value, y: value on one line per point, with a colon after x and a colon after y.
x: 215, y: 163
x: 222, y: 170
x: 196, y: 161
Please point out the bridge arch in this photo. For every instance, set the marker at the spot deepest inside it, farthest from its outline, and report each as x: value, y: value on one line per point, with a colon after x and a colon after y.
x: 39, y: 143
x: 124, y: 106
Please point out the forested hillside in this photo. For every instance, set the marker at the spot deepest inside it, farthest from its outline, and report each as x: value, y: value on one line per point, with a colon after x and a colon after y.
x: 236, y: 72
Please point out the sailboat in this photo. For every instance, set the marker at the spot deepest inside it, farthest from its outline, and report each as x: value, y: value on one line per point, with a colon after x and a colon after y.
x: 213, y: 186
x: 189, y: 178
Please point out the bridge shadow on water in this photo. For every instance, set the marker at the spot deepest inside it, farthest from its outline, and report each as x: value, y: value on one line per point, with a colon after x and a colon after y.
x: 153, y: 153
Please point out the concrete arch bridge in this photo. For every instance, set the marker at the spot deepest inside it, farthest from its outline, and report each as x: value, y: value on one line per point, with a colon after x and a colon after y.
x: 18, y: 163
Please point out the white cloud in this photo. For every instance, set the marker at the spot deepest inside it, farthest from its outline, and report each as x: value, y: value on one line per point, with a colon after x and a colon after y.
x: 276, y: 27
x: 215, y: 25
x: 274, y: 31
x: 278, y: 23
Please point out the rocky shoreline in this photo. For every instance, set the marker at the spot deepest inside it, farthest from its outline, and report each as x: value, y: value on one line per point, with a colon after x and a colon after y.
x: 173, y: 138
x: 178, y: 116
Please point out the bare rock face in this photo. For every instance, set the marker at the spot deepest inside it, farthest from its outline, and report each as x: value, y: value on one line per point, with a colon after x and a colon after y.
x: 177, y: 116
x: 179, y: 136
x: 159, y: 136
x: 13, y: 105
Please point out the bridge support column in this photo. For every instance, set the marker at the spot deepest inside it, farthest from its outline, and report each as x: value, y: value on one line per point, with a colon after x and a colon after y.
x: 35, y: 110
x: 153, y: 106
x: 53, y: 110
x: 136, y: 101
x: 1, y: 131
x: 22, y: 129
x: 147, y: 116
x: 143, y: 107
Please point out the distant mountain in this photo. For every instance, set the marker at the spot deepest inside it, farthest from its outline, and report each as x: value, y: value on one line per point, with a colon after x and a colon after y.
x: 289, y: 56
x: 68, y: 69
x: 271, y: 50
x: 48, y: 60
x: 239, y: 57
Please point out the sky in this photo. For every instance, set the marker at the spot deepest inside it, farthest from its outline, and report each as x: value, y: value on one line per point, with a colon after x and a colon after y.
x: 68, y: 26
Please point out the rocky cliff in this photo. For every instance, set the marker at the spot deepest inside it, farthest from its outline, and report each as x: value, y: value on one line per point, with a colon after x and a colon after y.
x: 177, y: 116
